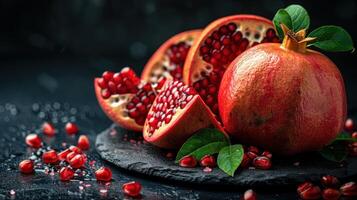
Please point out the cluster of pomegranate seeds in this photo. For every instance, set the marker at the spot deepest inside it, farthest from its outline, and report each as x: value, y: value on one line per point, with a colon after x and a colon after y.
x: 103, y: 174
x: 123, y: 82
x: 177, y: 54
x: 219, y: 50
x: 331, y: 189
x: 48, y: 129
x: 175, y: 95
x: 140, y: 104
x: 188, y: 161
x: 26, y: 166
x: 71, y: 128
x: 249, y: 195
x: 33, y: 140
x: 132, y: 189
x: 254, y: 157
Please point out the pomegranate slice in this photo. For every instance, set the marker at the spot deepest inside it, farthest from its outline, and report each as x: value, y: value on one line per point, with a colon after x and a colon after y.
x: 177, y: 112
x: 124, y: 98
x: 169, y: 59
x: 217, y: 46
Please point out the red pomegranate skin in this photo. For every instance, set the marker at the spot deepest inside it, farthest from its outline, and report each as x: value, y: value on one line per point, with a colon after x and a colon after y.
x: 283, y: 100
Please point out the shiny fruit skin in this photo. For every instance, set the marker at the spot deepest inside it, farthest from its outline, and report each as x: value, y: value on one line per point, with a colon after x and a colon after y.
x: 282, y: 100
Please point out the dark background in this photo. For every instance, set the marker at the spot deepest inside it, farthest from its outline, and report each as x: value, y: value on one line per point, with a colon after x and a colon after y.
x: 50, y: 51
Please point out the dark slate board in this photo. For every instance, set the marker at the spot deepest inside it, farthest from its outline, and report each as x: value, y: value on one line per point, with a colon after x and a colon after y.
x: 146, y: 159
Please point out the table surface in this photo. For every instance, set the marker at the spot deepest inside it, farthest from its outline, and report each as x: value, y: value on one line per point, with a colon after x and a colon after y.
x: 57, y: 90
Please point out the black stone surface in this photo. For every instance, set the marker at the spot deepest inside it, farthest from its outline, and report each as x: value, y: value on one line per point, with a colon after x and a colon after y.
x: 118, y: 146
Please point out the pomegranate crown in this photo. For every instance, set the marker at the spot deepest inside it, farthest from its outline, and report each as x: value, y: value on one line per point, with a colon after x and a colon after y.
x: 292, y: 24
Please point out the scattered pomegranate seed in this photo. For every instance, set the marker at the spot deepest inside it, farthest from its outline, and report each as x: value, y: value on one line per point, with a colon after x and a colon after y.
x: 66, y: 174
x: 50, y: 157
x: 71, y: 128
x: 83, y: 142
x: 33, y: 140
x: 63, y: 154
x: 77, y: 161
x: 169, y: 155
x: 331, y: 194
x: 309, y: 191
x: 188, y: 162
x: 245, y: 162
x: 253, y: 149
x: 12, y: 192
x: 26, y: 166
x: 207, y: 170
x: 103, y: 174
x: 349, y: 189
x: 75, y: 149
x: 349, y: 125
x: 70, y: 156
x: 251, y: 155
x: 48, y: 129
x: 267, y: 154
x: 132, y: 188
x: 208, y: 161
x: 262, y: 162
x: 329, y: 181
x: 249, y: 195
x: 354, y: 135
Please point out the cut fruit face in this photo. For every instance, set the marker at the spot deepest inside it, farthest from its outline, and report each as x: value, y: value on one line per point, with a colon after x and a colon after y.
x: 217, y: 46
x: 169, y: 59
x: 177, y: 113
x: 124, y: 98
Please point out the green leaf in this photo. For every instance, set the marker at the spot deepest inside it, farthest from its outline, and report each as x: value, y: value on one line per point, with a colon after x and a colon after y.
x: 229, y: 158
x: 208, y: 149
x: 282, y: 17
x: 200, y: 140
x: 299, y: 17
x: 345, y: 137
x: 332, y: 38
x: 336, y: 152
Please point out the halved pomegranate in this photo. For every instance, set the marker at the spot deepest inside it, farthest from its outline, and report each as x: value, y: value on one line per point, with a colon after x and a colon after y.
x: 177, y: 112
x: 217, y: 46
x: 169, y: 59
x: 124, y: 98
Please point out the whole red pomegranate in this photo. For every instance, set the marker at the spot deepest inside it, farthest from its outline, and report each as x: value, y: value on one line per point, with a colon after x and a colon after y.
x: 283, y: 97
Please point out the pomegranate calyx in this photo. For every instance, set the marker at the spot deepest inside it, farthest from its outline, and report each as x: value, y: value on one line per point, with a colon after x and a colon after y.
x: 295, y: 41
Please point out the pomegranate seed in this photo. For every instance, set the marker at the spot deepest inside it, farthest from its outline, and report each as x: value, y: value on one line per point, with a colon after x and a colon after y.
x: 83, y: 142
x: 77, y: 161
x: 329, y: 181
x: 349, y: 125
x: 63, y: 154
x: 251, y: 155
x: 101, y: 83
x: 132, y: 189
x: 262, y: 162
x: 249, y: 195
x: 245, y: 162
x: 354, y: 135
x: 105, y: 93
x: 48, y: 129
x: 253, y: 149
x: 33, y: 140
x: 26, y: 166
x: 208, y: 161
x: 71, y: 128
x: 188, y: 161
x: 66, y: 174
x: 107, y: 75
x: 309, y: 191
x: 75, y: 149
x: 267, y: 154
x: 70, y: 156
x: 103, y: 174
x: 349, y: 189
x: 50, y: 157
x: 331, y: 194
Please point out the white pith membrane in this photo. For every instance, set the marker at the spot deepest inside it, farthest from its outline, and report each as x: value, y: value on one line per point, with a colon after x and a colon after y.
x: 168, y: 105
x: 118, y: 103
x: 163, y: 67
